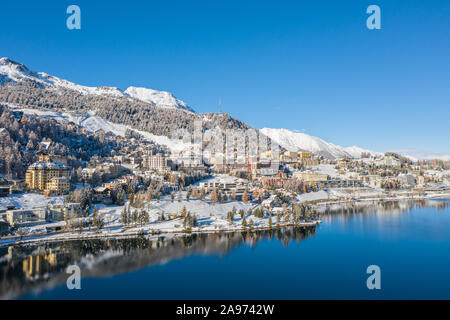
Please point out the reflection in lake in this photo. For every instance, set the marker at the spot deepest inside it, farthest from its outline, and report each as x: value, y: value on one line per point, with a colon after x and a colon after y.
x: 345, y: 211
x: 36, y: 268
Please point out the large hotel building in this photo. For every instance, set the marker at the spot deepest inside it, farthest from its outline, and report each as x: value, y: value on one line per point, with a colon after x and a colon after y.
x: 50, y: 177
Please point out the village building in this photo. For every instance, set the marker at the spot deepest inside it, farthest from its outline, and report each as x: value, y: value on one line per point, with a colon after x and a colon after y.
x: 26, y: 218
x: 309, y: 176
x: 388, y: 161
x: 59, y: 212
x: 52, y: 158
x: 4, y: 191
x: 231, y: 187
x: 4, y: 227
x: 102, y: 195
x: 58, y: 185
x: 156, y: 162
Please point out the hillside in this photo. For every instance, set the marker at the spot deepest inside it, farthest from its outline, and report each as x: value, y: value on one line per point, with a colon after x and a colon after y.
x: 297, y: 141
x: 143, y: 109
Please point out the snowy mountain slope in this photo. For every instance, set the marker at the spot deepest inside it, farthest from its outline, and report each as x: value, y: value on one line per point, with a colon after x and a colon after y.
x: 16, y: 72
x: 159, y: 98
x: 93, y: 123
x: 11, y: 71
x: 296, y: 141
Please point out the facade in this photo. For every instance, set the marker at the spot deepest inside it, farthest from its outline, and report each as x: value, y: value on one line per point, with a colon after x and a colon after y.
x: 304, y: 155
x: 407, y: 179
x: 40, y: 176
x: 4, y: 191
x: 235, y: 188
x: 4, y: 227
x: 102, y: 195
x: 53, y: 158
x: 59, y: 185
x: 420, y: 180
x: 157, y: 162
x: 17, y: 186
x: 26, y: 218
x: 301, y: 158
x: 59, y: 212
x: 388, y: 162
x: 292, y: 157
x: 338, y: 183
x: 288, y: 157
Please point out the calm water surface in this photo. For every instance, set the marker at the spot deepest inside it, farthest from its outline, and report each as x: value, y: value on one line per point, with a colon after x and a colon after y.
x: 409, y: 240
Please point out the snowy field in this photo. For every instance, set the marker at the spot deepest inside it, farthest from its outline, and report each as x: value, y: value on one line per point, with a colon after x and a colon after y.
x: 209, y: 215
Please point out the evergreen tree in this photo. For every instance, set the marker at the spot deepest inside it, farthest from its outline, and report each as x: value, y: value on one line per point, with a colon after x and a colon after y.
x: 97, y: 220
x: 183, y: 211
x: 244, y: 223
x: 124, y: 216
x: 230, y: 217
x: 150, y: 193
x: 146, y: 217
x: 94, y: 211
x: 213, y: 196
x: 134, y: 216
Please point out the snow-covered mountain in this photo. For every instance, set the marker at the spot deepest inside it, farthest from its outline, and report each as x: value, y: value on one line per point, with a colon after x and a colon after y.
x: 297, y: 141
x: 146, y: 110
x: 159, y: 98
x: 17, y: 72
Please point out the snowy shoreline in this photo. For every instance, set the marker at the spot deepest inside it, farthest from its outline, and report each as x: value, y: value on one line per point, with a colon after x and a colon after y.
x: 93, y: 235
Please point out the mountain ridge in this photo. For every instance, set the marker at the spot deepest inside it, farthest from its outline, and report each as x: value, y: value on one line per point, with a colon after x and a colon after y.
x: 14, y: 71
x: 23, y: 88
x: 148, y: 110
x: 297, y: 141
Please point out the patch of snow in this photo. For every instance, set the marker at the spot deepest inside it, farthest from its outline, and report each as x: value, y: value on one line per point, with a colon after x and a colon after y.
x: 30, y: 200
x: 16, y: 72
x: 160, y: 99
x: 312, y: 196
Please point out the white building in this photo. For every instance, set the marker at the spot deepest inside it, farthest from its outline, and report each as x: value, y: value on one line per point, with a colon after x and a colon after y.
x: 388, y: 162
x: 157, y: 162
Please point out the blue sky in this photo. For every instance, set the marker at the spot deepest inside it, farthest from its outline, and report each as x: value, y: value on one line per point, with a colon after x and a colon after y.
x: 311, y: 66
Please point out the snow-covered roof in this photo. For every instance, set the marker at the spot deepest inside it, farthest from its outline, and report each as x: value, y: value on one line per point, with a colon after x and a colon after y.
x: 39, y: 165
x: 59, y: 178
x: 100, y: 189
